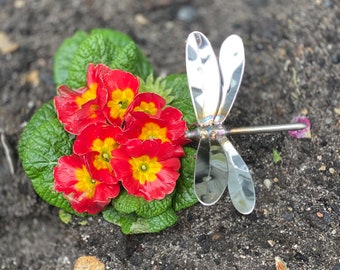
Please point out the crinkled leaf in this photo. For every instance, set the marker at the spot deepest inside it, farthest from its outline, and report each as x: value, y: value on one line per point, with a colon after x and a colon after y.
x: 182, y: 100
x: 129, y: 58
x: 127, y: 49
x: 127, y: 204
x: 184, y: 196
x: 96, y: 48
x: 45, y: 113
x: 131, y: 224
x: 122, y: 220
x: 126, y: 59
x: 117, y: 38
x: 64, y: 56
x: 46, y: 143
x: 153, y: 208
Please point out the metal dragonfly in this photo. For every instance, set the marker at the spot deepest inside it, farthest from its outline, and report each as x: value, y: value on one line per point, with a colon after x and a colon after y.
x: 213, y: 86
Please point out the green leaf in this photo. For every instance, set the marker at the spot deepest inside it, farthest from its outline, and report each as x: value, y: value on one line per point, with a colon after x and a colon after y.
x: 157, y: 86
x: 45, y: 144
x: 127, y: 204
x: 64, y: 216
x: 153, y: 208
x: 96, y: 48
x: 184, y: 196
x: 122, y: 220
x: 139, y: 66
x: 64, y: 56
x: 276, y: 156
x: 45, y: 113
x: 117, y: 38
x: 182, y: 100
x: 108, y: 47
x: 131, y: 224
x: 154, y: 224
x: 126, y: 59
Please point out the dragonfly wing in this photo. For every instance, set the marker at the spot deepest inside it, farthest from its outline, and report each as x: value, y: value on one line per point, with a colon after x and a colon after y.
x: 240, y: 183
x: 203, y: 77
x: 231, y: 62
x: 211, y: 171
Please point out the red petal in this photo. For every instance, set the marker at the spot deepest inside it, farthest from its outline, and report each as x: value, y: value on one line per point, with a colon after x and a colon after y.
x: 95, y: 73
x: 170, y: 114
x: 64, y: 173
x: 119, y: 79
x: 83, y: 143
x: 65, y: 181
x: 158, y: 101
x: 166, y: 178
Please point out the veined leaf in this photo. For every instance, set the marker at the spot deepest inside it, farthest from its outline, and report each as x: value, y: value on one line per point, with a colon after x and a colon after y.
x: 64, y: 56
x: 132, y: 224
x: 44, y: 143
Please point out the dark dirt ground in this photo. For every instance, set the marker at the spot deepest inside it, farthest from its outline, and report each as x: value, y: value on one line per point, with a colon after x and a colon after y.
x: 292, y: 66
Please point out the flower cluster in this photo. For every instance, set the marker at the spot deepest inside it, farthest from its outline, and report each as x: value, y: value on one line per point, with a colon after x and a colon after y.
x: 123, y: 139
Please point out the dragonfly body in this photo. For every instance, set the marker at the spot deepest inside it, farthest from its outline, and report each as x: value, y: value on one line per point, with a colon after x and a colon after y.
x: 213, y: 86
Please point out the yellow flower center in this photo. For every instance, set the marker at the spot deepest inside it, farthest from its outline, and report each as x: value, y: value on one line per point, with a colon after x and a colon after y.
x: 145, y: 169
x: 104, y: 147
x: 90, y: 94
x: 120, y: 100
x: 85, y: 184
x: 147, y: 107
x: 152, y: 131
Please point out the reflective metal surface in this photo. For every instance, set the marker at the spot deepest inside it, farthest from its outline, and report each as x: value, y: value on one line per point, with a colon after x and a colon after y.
x: 211, y: 171
x: 222, y: 130
x: 203, y: 77
x: 213, y: 87
x: 231, y: 62
x: 240, y: 183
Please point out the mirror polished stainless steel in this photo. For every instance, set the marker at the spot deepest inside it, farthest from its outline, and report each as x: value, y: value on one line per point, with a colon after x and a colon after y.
x: 240, y: 184
x: 213, y: 87
x: 210, y: 171
x: 204, y: 77
x: 231, y: 61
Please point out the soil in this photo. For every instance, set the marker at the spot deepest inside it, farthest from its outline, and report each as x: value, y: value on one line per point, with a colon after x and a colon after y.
x: 292, y: 67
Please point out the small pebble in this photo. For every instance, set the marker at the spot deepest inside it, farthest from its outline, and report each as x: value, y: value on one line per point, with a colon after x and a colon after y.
x: 88, y: 263
x: 268, y: 184
x: 141, y: 19
x: 271, y: 243
x: 323, y: 167
x: 6, y: 45
x: 265, y: 212
x: 331, y: 170
x: 328, y: 121
x: 319, y: 214
x: 187, y: 14
x: 304, y: 111
x: 280, y: 264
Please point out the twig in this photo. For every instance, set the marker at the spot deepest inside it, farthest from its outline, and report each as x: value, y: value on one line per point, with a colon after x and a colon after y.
x: 7, y: 152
